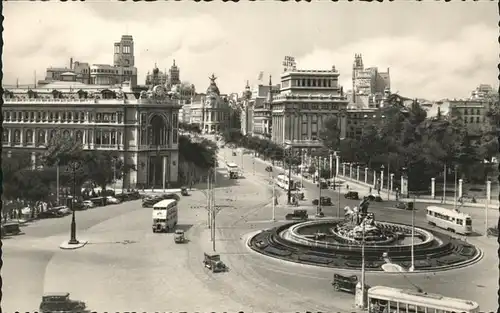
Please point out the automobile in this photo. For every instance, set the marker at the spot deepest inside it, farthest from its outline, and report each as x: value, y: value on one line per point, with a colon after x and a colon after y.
x: 297, y: 215
x: 322, y: 185
x: 269, y: 168
x: 60, y: 302
x: 112, y: 200
x: 148, y: 202
x: 325, y: 201
x: 214, y: 263
x: 88, y: 204
x: 184, y: 191
x: 179, y: 236
x: 353, y: 195
x: 49, y: 214
x: 378, y: 199
x: 170, y: 196
x: 234, y: 153
x: 375, y: 198
x: 10, y: 228
x: 64, y: 210
x: 404, y: 205
x: 97, y: 201
x: 345, y: 283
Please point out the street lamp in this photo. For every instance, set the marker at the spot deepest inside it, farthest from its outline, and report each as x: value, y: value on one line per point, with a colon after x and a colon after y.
x: 380, y: 187
x: 73, y: 167
x: 113, y: 162
x: 455, y: 202
x: 289, y: 196
x: 154, y: 168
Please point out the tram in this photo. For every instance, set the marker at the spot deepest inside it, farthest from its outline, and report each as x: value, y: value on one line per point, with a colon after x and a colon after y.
x: 452, y: 220
x: 284, y: 182
x: 393, y: 300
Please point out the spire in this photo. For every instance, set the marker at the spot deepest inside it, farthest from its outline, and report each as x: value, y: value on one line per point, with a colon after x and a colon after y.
x: 270, y: 91
x: 270, y: 81
x: 174, y: 62
x: 248, y: 85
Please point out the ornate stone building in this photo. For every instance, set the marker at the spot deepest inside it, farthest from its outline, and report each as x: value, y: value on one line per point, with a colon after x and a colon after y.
x: 142, y: 128
x: 210, y: 110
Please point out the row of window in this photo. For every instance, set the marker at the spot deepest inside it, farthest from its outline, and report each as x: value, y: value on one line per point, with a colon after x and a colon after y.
x: 445, y: 217
x: 62, y: 117
x: 312, y: 82
x: 110, y: 71
x: 471, y: 112
x: 473, y: 119
x: 105, y: 137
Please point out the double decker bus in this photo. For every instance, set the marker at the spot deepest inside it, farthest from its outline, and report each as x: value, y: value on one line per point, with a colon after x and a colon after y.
x: 165, y: 215
x: 452, y: 220
x: 383, y: 299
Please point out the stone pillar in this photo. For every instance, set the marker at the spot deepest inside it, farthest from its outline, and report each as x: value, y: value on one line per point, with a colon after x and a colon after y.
x: 433, y: 188
x: 350, y: 170
x: 9, y: 136
x: 381, y: 180
x: 460, y: 187
x: 366, y: 175
x: 343, y: 169
x: 374, y: 179
x: 488, y: 191
x: 392, y: 182
x: 357, y: 173
x: 337, y: 165
x: 164, y: 172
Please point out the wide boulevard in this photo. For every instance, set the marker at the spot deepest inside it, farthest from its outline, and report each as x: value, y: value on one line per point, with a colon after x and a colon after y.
x: 126, y: 267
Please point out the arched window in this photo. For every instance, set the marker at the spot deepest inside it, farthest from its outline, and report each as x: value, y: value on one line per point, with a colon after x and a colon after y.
x: 41, y: 137
x: 17, y: 136
x: 53, y: 133
x: 79, y: 136
x: 29, y: 136
x: 5, y: 138
x: 66, y: 134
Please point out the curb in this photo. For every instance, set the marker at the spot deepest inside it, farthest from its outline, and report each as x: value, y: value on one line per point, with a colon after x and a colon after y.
x: 66, y: 246
x: 444, y: 268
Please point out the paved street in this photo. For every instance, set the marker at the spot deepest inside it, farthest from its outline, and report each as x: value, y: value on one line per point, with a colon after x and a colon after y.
x: 474, y: 282
x: 126, y: 267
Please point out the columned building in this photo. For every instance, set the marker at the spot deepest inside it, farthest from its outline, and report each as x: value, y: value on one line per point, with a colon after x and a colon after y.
x: 306, y: 100
x: 262, y: 121
x: 246, y: 115
x: 210, y: 110
x: 142, y: 128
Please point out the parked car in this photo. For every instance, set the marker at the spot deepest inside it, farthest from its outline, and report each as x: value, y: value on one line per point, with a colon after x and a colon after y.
x: 353, y: 195
x: 10, y: 228
x: 112, y: 200
x: 64, y: 210
x: 50, y: 214
x: 325, y: 201
x: 88, y: 204
x: 170, y: 196
x: 148, y: 202
x: 404, y: 205
x: 375, y: 198
x: 297, y: 215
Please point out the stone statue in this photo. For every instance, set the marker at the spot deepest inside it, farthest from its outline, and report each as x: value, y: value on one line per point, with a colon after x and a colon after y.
x: 143, y: 95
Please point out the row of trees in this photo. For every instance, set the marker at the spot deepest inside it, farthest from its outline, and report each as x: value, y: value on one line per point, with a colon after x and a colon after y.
x: 407, y: 140
x: 196, y: 156
x: 23, y: 180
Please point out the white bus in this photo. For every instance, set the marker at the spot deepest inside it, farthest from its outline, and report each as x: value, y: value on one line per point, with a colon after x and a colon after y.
x: 383, y: 299
x: 164, y: 215
x: 452, y: 220
x: 232, y: 170
x: 283, y: 182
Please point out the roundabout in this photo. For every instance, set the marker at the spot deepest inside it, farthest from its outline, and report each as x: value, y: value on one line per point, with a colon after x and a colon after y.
x: 341, y: 243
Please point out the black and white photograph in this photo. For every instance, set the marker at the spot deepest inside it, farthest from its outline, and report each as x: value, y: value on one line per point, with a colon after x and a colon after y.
x: 251, y: 156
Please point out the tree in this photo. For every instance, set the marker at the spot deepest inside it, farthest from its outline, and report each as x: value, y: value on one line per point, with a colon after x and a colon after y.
x: 11, y: 166
x: 101, y: 167
x: 203, y: 154
x: 63, y: 149
x: 330, y: 135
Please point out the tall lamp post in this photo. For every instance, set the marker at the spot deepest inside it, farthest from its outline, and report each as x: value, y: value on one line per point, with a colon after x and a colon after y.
x: 455, y: 202
x: 73, y: 167
x: 289, y: 196
x: 381, y: 177
x: 113, y: 163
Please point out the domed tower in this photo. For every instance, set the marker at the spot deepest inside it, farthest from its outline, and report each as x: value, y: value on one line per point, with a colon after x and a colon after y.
x: 174, y: 75
x: 212, y: 88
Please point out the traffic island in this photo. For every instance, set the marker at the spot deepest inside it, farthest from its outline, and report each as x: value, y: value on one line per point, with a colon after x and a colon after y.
x: 324, y: 243
x: 67, y: 246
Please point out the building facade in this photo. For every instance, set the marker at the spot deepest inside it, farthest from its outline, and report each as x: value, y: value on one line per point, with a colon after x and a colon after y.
x: 210, y: 110
x: 122, y: 70
x: 307, y: 99
x: 142, y: 128
x: 368, y: 84
x: 262, y: 112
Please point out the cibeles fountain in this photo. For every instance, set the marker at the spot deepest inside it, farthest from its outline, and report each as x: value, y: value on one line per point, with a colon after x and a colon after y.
x: 339, y: 242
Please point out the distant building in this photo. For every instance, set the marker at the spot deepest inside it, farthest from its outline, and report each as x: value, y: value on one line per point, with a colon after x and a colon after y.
x: 185, y: 114
x: 156, y: 77
x: 306, y: 100
x: 368, y: 84
x: 174, y: 75
x: 141, y: 127
x: 210, y: 110
x: 122, y: 71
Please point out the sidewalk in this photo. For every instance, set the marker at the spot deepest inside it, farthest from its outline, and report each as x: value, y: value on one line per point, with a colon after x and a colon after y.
x: 364, y: 189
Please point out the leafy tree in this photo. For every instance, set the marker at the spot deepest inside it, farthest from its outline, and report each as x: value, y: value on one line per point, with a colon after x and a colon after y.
x: 202, y: 153
x: 63, y: 149
x: 11, y: 166
x: 102, y: 167
x: 330, y: 135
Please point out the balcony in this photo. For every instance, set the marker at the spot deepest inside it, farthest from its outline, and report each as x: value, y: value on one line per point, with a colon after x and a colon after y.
x: 154, y: 148
x: 304, y: 143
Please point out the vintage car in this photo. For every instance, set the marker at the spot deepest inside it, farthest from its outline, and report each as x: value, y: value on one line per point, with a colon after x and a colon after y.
x: 345, y: 283
x: 184, y: 191
x: 214, y: 263
x: 60, y: 302
x: 325, y: 201
x: 353, y: 195
x: 10, y: 228
x: 297, y: 215
x: 404, y: 205
x: 179, y: 236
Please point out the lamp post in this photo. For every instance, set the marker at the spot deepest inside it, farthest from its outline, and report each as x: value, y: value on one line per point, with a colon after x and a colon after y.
x: 73, y: 167
x: 113, y: 162
x: 444, y: 183
x: 289, y: 196
x: 381, y: 177
x: 455, y: 202
x: 274, y: 198
x: 154, y: 168
x: 412, y: 267
x: 363, y: 304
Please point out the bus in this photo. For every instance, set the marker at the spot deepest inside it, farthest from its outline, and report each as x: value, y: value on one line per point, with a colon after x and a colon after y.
x: 232, y: 170
x: 283, y: 182
x: 164, y: 215
x: 452, y: 220
x: 383, y: 299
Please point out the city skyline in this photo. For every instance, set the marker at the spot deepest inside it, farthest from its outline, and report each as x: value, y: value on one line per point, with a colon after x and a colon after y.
x: 430, y: 57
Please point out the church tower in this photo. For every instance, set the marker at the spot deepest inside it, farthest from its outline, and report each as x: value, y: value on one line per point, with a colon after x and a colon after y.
x: 124, y: 52
x: 270, y: 92
x: 174, y: 75
x: 356, y: 68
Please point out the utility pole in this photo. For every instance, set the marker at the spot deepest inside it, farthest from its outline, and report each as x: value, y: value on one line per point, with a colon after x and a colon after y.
x: 274, y: 199
x: 363, y: 304
x: 338, y: 206
x: 412, y: 267
x: 455, y: 202
x: 209, y: 210
x: 318, y: 208
x: 289, y: 176
x: 444, y: 184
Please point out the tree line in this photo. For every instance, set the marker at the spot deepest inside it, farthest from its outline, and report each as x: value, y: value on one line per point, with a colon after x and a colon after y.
x: 37, y: 182
x: 412, y: 144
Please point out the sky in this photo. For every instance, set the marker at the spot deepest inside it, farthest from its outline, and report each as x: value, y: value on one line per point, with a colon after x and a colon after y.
x: 434, y: 50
